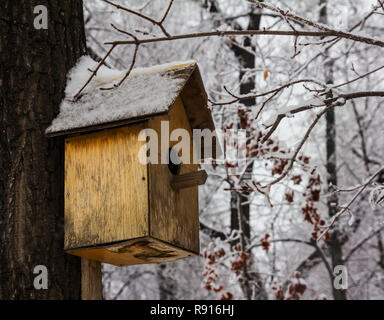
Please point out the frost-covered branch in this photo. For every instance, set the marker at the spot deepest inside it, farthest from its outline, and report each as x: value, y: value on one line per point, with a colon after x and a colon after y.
x: 322, y: 27
x: 317, y: 34
x: 347, y: 207
x: 361, y: 243
x: 321, y: 32
x: 145, y: 17
x: 212, y: 233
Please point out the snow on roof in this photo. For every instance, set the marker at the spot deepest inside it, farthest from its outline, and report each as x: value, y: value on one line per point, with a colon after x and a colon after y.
x: 145, y: 92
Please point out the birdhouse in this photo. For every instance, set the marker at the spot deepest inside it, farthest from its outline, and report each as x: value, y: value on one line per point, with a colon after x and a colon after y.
x: 118, y: 209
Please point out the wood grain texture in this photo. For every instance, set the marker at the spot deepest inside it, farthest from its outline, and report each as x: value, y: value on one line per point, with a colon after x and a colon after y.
x: 106, y: 193
x: 33, y: 68
x: 189, y: 180
x: 122, y: 212
x: 132, y: 252
x: 173, y: 213
x: 195, y: 102
x: 91, y: 280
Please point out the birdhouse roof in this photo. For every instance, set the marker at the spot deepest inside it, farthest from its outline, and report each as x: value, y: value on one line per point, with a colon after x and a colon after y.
x: 145, y: 93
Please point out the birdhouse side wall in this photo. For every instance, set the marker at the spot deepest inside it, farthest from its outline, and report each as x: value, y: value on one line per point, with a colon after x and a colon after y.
x: 173, y: 213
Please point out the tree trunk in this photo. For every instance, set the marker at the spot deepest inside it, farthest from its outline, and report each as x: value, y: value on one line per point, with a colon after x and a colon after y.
x: 33, y: 68
x: 334, y: 244
x: 166, y: 281
x: 240, y: 207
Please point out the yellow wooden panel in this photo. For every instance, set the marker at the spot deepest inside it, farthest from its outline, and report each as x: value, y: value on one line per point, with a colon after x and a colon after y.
x: 106, y: 191
x: 91, y: 280
x: 173, y: 214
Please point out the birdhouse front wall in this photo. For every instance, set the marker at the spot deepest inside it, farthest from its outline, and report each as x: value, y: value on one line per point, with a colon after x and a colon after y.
x: 106, y: 188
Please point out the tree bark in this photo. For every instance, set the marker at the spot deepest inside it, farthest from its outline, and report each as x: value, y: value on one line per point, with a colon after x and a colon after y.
x: 167, y: 283
x: 252, y: 287
x: 33, y: 68
x: 334, y: 244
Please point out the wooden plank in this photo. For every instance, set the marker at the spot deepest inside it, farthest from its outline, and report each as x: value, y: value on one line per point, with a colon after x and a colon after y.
x: 195, y: 102
x: 188, y: 180
x: 91, y: 280
x: 106, y: 192
x: 136, y: 251
x: 173, y: 213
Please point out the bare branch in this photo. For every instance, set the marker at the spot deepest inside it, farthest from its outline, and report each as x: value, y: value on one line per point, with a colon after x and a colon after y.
x: 128, y: 72
x: 166, y: 12
x: 124, y: 32
x: 324, y: 32
x: 346, y: 208
x: 301, y: 144
x: 381, y: 4
x: 212, y: 233
x: 309, y: 243
x: 361, y: 243
x: 143, y: 16
x: 330, y: 33
x: 274, y: 91
x: 358, y: 78
x: 94, y: 72
x: 338, y: 33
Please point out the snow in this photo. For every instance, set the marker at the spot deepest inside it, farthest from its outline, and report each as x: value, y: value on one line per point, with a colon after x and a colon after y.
x: 146, y: 91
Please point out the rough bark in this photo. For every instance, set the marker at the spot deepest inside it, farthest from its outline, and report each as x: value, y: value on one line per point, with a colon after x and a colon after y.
x: 33, y: 68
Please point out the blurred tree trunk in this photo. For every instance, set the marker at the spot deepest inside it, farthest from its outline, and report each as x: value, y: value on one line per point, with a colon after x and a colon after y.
x: 335, y: 244
x: 252, y: 286
x: 33, y: 68
x: 167, y: 283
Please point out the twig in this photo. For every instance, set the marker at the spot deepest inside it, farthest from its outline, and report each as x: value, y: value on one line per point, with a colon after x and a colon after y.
x: 361, y: 243
x: 77, y: 95
x: 302, y: 142
x: 330, y: 103
x: 166, y: 12
x: 128, y: 72
x: 143, y: 16
x: 358, y: 78
x: 288, y: 15
x: 276, y: 90
x: 381, y: 4
x: 347, y: 207
x: 358, y: 24
x: 124, y: 32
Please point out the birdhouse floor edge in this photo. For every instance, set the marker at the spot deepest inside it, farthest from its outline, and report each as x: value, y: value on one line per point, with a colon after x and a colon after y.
x: 143, y: 250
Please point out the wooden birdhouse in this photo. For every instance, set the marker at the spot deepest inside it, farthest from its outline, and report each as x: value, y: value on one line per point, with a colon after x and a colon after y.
x: 119, y: 210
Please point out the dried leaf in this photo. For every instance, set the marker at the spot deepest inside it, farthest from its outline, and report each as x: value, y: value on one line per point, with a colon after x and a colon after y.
x: 266, y: 74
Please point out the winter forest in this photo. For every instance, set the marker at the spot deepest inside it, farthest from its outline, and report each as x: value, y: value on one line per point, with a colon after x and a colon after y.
x: 309, y: 205
x: 303, y: 79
